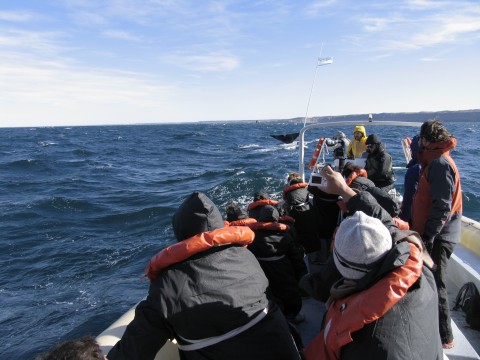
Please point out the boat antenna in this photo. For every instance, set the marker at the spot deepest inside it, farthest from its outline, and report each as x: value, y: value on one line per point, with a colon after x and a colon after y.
x: 320, y: 62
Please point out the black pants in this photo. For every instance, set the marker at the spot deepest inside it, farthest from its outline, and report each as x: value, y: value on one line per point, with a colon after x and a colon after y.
x: 441, y: 252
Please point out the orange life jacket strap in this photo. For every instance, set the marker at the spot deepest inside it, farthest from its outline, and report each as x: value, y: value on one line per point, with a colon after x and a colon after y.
x: 258, y: 203
x: 355, y: 174
x: 242, y: 222
x: 294, y: 187
x: 274, y: 226
x: 239, y: 235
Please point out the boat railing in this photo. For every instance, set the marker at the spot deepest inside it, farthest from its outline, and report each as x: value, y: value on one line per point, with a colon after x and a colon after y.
x: 319, y: 125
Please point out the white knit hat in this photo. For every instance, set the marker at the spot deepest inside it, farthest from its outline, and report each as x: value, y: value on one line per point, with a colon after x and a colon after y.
x: 361, y: 242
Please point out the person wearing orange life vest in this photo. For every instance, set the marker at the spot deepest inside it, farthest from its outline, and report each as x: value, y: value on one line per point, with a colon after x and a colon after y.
x: 381, y: 305
x: 357, y: 145
x: 357, y: 178
x: 281, y: 259
x: 236, y: 216
x: 209, y: 293
x: 298, y: 205
x: 437, y: 209
x: 260, y: 199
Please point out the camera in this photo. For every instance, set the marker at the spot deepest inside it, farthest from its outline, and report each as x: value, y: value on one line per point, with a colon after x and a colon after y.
x: 316, y: 179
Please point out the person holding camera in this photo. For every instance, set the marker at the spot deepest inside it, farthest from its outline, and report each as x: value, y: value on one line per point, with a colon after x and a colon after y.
x: 381, y: 291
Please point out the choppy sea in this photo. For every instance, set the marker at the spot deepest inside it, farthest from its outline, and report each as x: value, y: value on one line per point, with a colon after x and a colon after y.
x: 82, y: 209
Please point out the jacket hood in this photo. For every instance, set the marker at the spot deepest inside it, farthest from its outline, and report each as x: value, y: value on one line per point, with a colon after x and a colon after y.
x: 435, y: 150
x: 360, y: 128
x: 268, y: 214
x: 197, y: 214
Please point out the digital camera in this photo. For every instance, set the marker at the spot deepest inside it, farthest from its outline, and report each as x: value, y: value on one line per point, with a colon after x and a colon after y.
x: 316, y: 179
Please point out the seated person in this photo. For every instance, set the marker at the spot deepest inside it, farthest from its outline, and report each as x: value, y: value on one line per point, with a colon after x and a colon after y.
x: 339, y: 144
x: 85, y: 348
x: 236, y: 216
x: 357, y: 145
x: 260, y: 199
x: 299, y: 207
x: 209, y: 293
x: 356, y: 177
x: 280, y: 259
x: 383, y: 296
x: 379, y: 164
x: 384, y: 304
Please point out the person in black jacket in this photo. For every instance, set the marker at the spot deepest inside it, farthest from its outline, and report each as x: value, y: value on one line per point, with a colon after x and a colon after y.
x: 339, y: 145
x: 281, y: 260
x: 357, y: 179
x: 371, y: 259
x: 209, y: 293
x: 379, y: 165
x: 297, y: 204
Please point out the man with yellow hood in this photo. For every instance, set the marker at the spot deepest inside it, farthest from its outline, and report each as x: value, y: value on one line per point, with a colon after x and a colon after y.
x: 357, y: 146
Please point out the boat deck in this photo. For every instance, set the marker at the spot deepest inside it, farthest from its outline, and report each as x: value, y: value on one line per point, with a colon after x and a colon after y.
x: 467, y: 339
x: 466, y: 343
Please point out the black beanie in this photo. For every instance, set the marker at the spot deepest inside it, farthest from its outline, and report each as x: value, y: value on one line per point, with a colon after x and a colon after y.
x: 373, y: 139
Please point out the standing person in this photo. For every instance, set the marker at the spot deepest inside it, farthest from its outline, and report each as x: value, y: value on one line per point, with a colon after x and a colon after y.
x: 339, y: 145
x: 410, y: 182
x: 379, y: 164
x: 437, y: 210
x: 357, y: 146
x: 209, y: 293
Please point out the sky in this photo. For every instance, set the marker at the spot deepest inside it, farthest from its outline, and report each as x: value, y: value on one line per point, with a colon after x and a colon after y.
x: 95, y: 62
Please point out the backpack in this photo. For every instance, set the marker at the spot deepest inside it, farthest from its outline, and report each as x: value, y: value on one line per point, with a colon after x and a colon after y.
x: 468, y: 299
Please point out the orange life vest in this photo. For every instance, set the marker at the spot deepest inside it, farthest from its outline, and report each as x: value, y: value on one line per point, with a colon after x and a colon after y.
x: 239, y: 235
x: 275, y: 226
x: 345, y: 316
x: 240, y: 222
x: 355, y: 174
x: 293, y: 187
x: 422, y: 201
x: 258, y: 203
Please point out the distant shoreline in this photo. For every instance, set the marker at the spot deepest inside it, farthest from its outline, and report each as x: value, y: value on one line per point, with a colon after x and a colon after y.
x: 444, y: 116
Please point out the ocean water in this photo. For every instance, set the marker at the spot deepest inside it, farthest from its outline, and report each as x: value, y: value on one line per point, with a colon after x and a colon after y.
x: 82, y: 209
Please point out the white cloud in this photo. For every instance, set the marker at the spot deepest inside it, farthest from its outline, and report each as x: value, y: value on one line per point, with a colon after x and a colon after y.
x: 46, y: 88
x: 420, y: 24
x: 212, y: 62
x: 16, y: 16
x: 121, y: 35
x: 45, y: 42
x: 316, y: 8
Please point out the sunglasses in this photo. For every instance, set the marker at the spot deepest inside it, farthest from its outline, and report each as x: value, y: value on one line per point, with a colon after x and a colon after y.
x: 370, y: 145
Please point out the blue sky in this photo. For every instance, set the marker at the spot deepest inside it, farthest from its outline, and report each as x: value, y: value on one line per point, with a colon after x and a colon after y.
x: 72, y: 62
